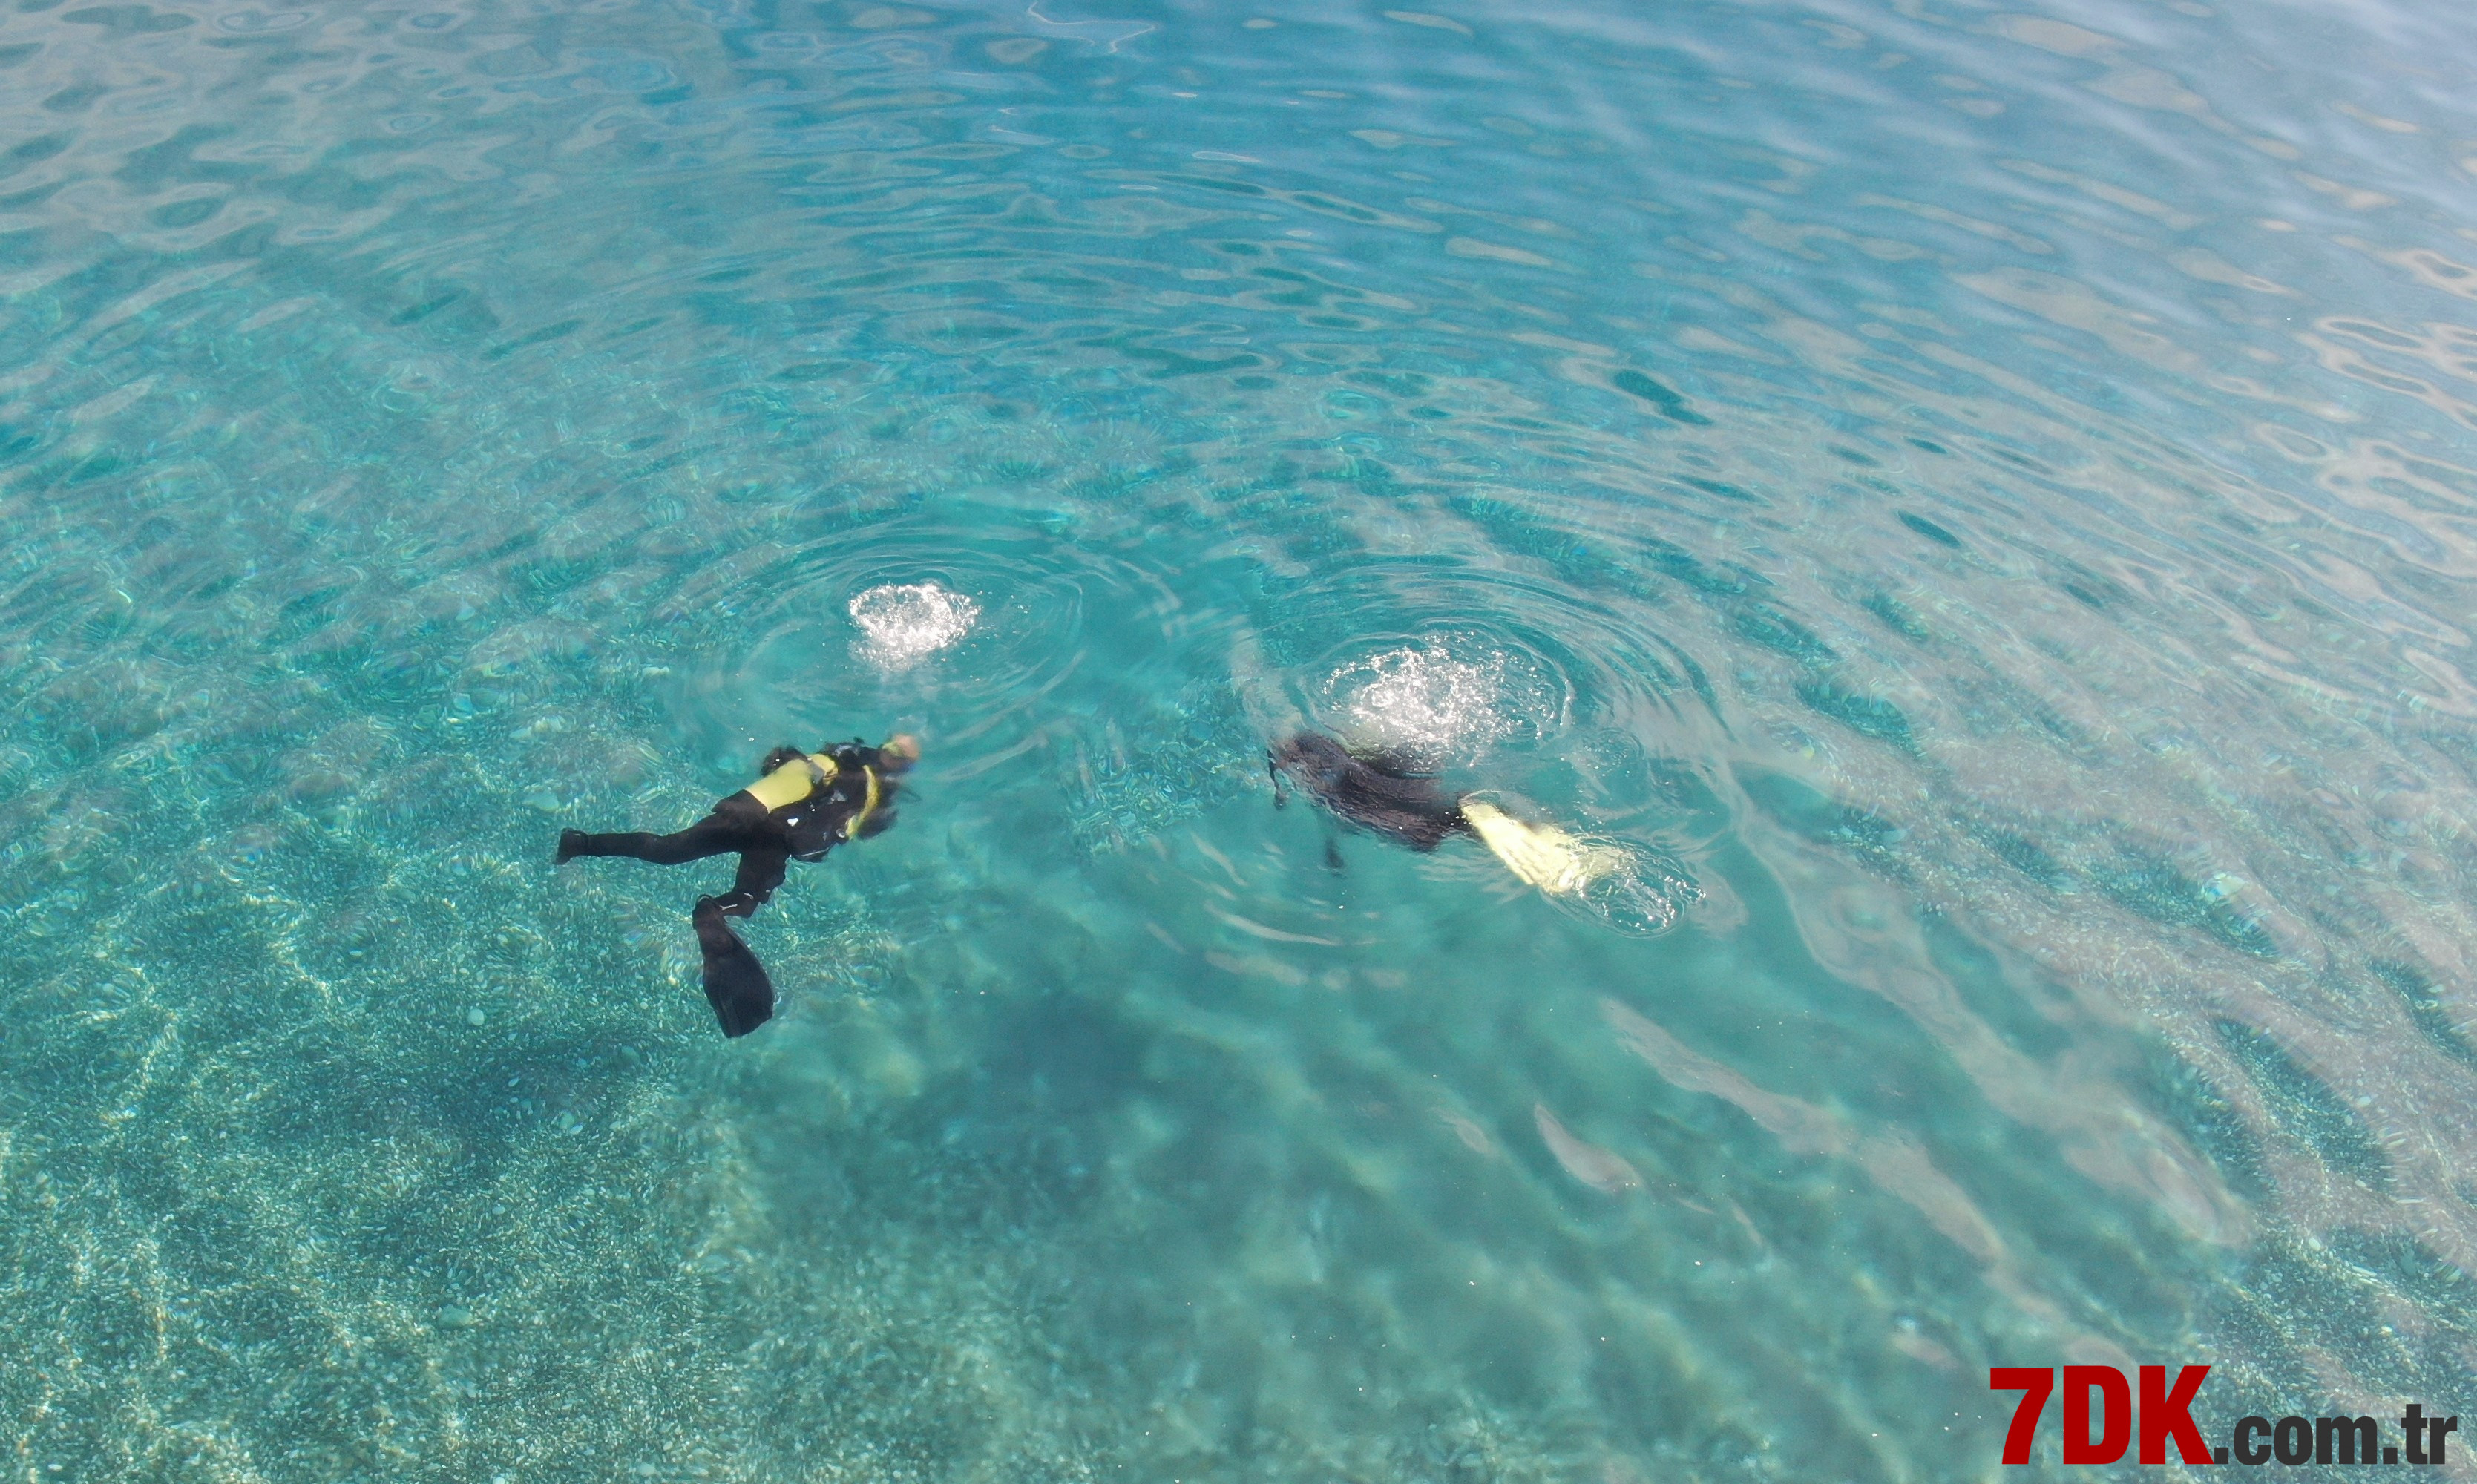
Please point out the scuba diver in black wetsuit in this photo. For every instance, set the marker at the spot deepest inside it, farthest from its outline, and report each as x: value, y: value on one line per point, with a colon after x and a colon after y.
x: 804, y: 805
x: 1396, y: 799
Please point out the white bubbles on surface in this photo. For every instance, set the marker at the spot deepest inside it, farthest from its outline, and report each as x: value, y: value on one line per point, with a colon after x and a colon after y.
x: 1644, y: 896
x: 908, y: 622
x: 1442, y: 701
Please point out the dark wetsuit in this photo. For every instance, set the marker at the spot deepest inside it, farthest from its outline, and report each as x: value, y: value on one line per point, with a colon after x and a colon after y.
x: 767, y: 842
x: 1395, y: 800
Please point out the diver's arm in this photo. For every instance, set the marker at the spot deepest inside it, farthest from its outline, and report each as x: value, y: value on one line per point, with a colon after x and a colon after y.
x: 895, y: 755
x: 854, y: 755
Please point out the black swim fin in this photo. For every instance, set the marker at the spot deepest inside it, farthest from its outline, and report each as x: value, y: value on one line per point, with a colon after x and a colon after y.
x: 742, y: 997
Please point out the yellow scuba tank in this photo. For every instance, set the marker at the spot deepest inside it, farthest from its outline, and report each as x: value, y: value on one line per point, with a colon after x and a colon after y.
x: 1542, y: 854
x: 793, y: 781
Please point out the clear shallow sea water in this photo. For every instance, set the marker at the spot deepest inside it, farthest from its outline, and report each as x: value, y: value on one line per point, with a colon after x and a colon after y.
x: 1977, y: 501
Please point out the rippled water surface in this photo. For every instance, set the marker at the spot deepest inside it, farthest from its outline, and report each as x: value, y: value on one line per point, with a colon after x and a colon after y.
x: 1976, y: 503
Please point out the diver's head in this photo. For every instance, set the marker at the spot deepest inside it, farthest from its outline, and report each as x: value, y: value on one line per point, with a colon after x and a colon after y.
x: 899, y: 752
x: 1313, y: 758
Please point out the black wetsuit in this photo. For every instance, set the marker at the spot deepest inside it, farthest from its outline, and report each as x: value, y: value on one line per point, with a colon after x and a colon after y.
x: 766, y: 842
x: 1384, y: 795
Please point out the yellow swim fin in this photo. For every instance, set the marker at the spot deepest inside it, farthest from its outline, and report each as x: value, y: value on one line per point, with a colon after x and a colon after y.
x: 1542, y: 854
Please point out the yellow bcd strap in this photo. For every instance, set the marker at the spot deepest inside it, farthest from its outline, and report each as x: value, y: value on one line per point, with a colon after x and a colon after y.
x: 868, y: 806
x: 795, y: 780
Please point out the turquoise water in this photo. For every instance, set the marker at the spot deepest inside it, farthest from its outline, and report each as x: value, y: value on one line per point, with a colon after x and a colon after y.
x: 1977, y: 504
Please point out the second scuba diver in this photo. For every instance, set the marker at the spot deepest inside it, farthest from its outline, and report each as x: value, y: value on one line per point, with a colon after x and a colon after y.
x: 1399, y: 802
x: 804, y: 805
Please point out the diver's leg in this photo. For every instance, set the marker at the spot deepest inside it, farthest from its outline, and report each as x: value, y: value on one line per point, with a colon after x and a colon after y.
x: 735, y: 982
x: 717, y: 833
x: 760, y: 871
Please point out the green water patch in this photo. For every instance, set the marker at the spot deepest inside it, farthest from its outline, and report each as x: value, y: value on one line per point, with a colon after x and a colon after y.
x: 2193, y: 1106
x: 1897, y: 616
x: 2022, y: 851
x: 1994, y: 705
x: 1867, y: 715
x: 1816, y: 817
x: 2261, y: 1332
x: 2390, y: 1267
x: 2305, y: 1104
x: 1928, y: 529
x: 2322, y: 1298
x: 1980, y: 979
x: 1671, y: 405
x: 1579, y: 560
x: 547, y: 334
x: 1766, y: 626
x: 2426, y: 1008
x: 1721, y: 487
x: 1670, y: 560
x: 1172, y: 761
x: 1306, y: 523
x: 2152, y: 886
x: 1406, y: 386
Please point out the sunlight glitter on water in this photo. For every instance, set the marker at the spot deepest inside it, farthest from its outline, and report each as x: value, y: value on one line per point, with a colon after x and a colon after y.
x: 1447, y: 702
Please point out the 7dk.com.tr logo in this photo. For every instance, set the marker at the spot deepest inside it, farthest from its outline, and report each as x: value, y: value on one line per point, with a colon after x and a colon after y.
x: 2165, y: 1414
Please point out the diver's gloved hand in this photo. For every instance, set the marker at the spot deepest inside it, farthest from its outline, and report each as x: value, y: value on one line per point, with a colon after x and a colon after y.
x: 736, y: 984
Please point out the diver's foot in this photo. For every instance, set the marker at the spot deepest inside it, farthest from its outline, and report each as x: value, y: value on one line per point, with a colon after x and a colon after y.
x: 570, y: 842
